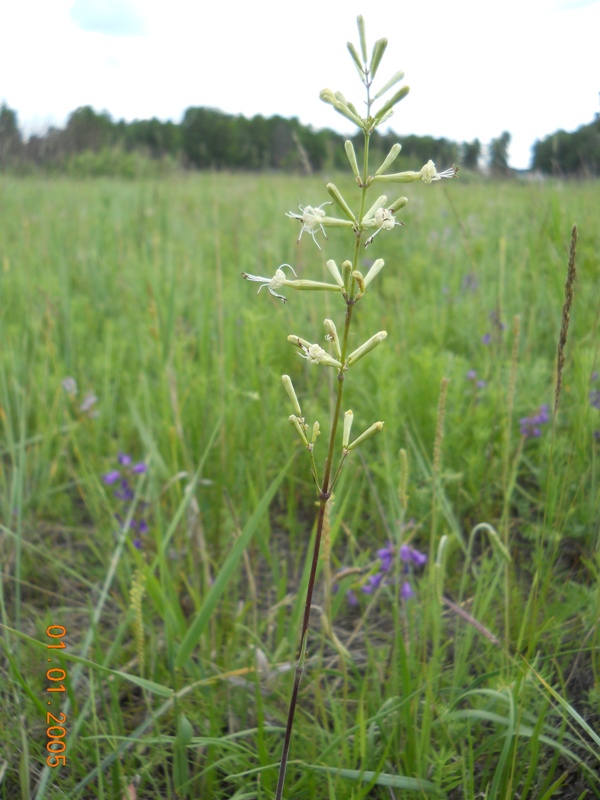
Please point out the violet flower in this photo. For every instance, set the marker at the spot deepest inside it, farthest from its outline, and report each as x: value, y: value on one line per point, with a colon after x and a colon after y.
x: 124, y: 493
x: 531, y: 426
x: 411, y: 559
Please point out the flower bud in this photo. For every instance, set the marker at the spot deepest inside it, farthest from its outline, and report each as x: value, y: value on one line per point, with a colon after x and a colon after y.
x: 332, y: 336
x: 336, y: 194
x: 333, y: 269
x: 347, y: 273
x: 348, y: 417
x: 349, y: 148
x: 399, y: 95
x: 299, y: 429
x: 312, y: 286
x: 316, y: 431
x: 379, y: 203
x: 360, y: 280
x: 376, y: 268
x: 289, y: 387
x: 391, y: 157
x: 356, y: 59
x: 327, y: 96
x: 375, y: 428
x: 377, y: 54
x: 397, y: 76
x: 298, y: 341
x: 398, y: 177
x: 365, y: 348
x: 399, y: 203
x: 363, y: 36
x: 381, y: 120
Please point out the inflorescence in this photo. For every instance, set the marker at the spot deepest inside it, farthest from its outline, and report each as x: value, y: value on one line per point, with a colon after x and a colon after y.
x: 122, y: 479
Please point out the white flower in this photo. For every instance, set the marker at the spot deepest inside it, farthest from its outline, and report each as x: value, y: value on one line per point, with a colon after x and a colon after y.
x: 87, y: 407
x: 70, y: 386
x: 385, y: 220
x: 276, y: 282
x: 311, y: 219
x: 314, y: 353
x: 428, y: 172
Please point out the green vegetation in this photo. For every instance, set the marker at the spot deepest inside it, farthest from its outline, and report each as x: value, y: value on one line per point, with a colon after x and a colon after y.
x: 93, y: 144
x: 575, y: 153
x: 178, y: 654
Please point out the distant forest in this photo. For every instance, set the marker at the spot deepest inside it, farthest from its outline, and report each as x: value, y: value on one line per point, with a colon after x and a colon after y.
x: 93, y: 144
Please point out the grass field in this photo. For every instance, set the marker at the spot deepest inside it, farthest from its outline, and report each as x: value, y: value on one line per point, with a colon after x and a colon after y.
x: 181, y: 592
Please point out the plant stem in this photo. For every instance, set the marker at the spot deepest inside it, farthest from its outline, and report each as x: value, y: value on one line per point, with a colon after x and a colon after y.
x: 324, y: 495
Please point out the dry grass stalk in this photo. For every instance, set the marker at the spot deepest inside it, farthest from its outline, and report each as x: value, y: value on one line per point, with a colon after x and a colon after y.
x: 514, y: 362
x: 402, y: 488
x: 439, y: 431
x: 136, y: 595
x: 566, y: 311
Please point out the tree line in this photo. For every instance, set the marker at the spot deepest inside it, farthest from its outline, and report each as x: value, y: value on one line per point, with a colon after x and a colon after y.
x: 576, y: 153
x: 93, y: 143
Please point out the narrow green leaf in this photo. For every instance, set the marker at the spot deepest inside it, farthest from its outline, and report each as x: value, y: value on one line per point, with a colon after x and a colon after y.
x: 221, y: 581
x: 383, y: 779
x: 143, y: 683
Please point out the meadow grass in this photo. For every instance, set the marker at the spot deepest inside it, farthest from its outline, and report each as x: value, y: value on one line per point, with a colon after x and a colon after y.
x: 484, y: 684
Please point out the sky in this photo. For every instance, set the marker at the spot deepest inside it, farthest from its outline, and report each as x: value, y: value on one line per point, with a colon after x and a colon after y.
x: 474, y: 68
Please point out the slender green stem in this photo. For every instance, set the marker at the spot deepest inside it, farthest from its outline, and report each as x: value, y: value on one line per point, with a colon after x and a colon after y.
x: 325, y: 488
x: 324, y: 496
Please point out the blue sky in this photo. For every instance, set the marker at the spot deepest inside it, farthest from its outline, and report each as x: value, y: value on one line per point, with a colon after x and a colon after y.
x: 475, y: 69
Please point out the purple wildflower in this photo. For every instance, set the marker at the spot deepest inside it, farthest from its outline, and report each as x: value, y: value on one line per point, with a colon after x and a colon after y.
x: 419, y: 559
x: 407, y: 591
x: 469, y: 283
x: 386, y: 557
x: 486, y: 338
x: 124, y: 493
x: 351, y: 598
x: 595, y: 398
x: 530, y: 426
x: 373, y: 583
x: 409, y: 554
x: 472, y: 376
x: 495, y: 318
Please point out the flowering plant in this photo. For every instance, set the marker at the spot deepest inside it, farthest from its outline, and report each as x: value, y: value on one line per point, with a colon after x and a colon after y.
x: 121, y: 481
x: 363, y: 224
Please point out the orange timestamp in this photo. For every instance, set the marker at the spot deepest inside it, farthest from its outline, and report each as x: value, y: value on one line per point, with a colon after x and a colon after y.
x: 56, y: 731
